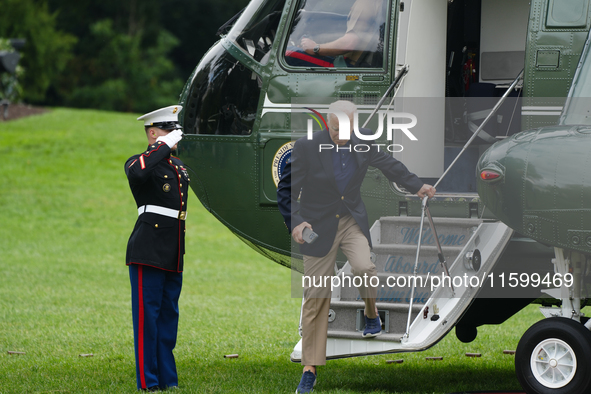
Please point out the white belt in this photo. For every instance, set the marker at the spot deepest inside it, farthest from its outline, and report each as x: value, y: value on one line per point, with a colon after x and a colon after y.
x: 171, y: 213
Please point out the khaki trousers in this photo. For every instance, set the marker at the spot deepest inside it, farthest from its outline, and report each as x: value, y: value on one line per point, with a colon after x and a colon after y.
x: 317, y: 299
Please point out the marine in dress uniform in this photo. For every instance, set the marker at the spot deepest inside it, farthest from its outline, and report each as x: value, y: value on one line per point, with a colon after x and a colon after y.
x: 160, y: 184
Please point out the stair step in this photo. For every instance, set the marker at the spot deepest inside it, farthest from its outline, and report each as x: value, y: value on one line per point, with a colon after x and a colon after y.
x: 357, y: 335
x: 438, y: 221
x: 346, y: 319
x: 384, y: 248
x: 405, y: 230
x: 400, y: 259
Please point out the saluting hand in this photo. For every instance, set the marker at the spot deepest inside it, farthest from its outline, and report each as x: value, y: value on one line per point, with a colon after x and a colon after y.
x: 172, y: 138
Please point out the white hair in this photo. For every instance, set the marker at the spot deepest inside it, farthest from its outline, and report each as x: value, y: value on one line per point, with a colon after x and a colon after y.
x: 342, y: 106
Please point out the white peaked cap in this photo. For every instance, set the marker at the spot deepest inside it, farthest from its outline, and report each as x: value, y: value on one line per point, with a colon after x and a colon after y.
x: 167, y: 114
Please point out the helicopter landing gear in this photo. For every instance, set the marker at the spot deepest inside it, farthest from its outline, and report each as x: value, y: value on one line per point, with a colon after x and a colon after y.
x: 553, y: 358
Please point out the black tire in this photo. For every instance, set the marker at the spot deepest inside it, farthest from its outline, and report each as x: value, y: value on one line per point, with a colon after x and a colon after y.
x: 567, y: 374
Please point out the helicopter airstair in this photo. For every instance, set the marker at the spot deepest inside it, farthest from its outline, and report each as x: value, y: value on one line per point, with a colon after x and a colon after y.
x: 425, y: 291
x: 435, y: 304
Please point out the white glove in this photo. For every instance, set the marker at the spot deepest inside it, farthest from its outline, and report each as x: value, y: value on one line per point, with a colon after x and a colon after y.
x: 172, y: 138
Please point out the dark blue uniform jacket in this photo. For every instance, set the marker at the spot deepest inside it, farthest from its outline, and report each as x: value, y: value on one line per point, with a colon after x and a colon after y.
x: 157, y: 178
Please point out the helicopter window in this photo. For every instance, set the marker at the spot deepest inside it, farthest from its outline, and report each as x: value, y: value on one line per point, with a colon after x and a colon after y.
x: 567, y: 13
x: 346, y: 33
x: 223, y: 98
x: 256, y: 28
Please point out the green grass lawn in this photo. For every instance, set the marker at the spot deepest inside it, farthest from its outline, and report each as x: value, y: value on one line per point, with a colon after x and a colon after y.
x: 67, y: 213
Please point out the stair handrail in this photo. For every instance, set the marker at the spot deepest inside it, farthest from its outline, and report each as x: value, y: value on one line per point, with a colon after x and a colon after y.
x: 412, y: 292
x: 439, y: 249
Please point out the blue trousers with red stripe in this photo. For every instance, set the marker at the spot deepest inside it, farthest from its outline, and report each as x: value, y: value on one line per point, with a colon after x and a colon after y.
x: 154, y: 303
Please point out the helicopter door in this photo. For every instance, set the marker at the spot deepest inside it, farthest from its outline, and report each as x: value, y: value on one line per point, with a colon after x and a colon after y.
x: 557, y: 32
x: 421, y: 45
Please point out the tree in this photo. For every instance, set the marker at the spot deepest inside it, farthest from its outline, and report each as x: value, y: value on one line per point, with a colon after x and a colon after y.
x: 125, y: 55
x: 121, y: 74
x: 148, y: 44
x: 47, y: 49
x: 195, y: 23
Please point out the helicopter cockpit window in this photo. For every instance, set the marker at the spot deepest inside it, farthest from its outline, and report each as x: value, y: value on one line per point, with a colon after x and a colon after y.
x: 224, y: 97
x: 256, y: 28
x: 343, y: 33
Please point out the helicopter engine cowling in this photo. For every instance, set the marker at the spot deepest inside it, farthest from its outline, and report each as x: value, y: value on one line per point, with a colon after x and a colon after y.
x: 538, y: 183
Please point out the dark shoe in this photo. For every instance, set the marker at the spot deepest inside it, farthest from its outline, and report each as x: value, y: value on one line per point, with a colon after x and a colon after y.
x: 151, y: 389
x: 307, y: 383
x: 373, y: 327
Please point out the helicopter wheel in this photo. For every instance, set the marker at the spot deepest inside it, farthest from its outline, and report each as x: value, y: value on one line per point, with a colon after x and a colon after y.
x: 553, y: 357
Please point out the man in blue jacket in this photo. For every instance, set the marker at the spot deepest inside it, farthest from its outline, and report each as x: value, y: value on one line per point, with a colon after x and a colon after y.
x: 160, y: 185
x: 321, y: 190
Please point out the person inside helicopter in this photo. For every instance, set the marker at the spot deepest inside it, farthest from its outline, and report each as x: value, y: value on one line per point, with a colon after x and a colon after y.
x: 317, y: 40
